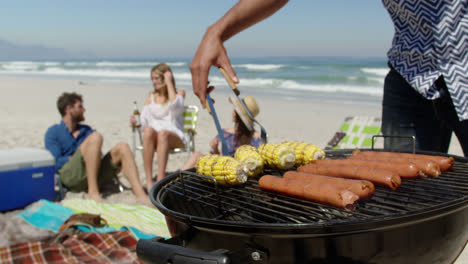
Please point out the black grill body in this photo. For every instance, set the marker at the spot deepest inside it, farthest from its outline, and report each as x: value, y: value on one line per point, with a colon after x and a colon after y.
x: 421, y: 222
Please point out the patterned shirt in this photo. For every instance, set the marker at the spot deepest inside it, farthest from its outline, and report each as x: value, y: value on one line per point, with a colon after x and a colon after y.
x: 431, y: 40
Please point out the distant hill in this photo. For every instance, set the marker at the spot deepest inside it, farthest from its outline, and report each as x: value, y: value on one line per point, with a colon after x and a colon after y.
x: 11, y: 51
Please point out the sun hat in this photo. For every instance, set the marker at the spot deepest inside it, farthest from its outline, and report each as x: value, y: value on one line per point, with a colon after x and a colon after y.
x: 252, y: 107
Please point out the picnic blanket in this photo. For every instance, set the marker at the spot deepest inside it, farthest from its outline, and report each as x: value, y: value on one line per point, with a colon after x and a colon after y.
x: 113, y: 247
x: 148, y: 220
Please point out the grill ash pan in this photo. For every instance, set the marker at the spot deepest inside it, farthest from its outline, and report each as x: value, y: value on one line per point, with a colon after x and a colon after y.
x: 421, y: 222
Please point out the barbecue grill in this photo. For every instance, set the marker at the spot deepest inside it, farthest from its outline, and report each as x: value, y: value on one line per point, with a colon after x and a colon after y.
x: 423, y: 221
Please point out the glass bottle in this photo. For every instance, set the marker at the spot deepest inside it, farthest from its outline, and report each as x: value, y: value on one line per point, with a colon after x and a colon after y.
x: 136, y: 114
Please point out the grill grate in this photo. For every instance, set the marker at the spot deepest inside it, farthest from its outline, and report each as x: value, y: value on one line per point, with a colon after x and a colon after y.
x: 194, y: 197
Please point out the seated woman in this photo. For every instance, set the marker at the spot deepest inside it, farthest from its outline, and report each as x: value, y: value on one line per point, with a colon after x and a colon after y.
x: 242, y: 133
x: 161, y: 121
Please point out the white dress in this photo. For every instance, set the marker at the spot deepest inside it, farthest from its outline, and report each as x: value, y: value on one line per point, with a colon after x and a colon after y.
x: 165, y: 117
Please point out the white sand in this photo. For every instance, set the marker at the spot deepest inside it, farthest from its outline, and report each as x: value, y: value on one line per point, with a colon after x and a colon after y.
x: 28, y: 108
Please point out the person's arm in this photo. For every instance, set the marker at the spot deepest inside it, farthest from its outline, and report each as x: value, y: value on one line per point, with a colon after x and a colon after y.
x: 211, y: 51
x: 171, y: 90
x: 144, y: 117
x: 214, y: 145
x: 53, y: 146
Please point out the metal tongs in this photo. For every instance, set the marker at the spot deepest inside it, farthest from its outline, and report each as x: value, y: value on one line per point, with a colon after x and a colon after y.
x: 211, y: 110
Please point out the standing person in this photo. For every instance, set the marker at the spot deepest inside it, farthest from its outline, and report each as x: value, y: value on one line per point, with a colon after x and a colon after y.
x: 161, y: 121
x: 77, y: 151
x: 425, y: 92
x: 243, y: 132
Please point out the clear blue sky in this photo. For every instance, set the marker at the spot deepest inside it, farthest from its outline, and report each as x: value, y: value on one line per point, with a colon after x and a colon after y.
x: 173, y: 28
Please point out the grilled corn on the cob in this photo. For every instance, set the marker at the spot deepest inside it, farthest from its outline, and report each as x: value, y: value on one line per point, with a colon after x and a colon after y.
x: 225, y: 169
x: 251, y: 158
x: 313, y: 152
x: 278, y: 156
x: 305, y: 152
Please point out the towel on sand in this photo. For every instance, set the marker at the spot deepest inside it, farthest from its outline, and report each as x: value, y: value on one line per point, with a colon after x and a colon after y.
x: 49, y: 215
x: 148, y: 220
x: 46, y: 214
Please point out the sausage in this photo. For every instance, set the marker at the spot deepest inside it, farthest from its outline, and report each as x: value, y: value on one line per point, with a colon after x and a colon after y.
x: 405, y: 170
x: 445, y: 163
x: 364, y: 189
x: 426, y: 166
x: 321, y: 193
x: 377, y: 176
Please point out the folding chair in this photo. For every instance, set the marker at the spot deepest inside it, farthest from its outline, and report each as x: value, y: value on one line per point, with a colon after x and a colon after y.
x: 190, y: 116
x: 355, y: 132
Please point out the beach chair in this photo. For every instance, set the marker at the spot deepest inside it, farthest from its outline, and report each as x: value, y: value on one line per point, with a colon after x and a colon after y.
x: 355, y: 132
x: 190, y: 116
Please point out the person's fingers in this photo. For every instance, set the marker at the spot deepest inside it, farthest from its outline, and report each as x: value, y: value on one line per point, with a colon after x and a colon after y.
x: 203, y: 82
x: 194, y: 73
x: 210, y: 88
x: 199, y: 82
x: 225, y: 63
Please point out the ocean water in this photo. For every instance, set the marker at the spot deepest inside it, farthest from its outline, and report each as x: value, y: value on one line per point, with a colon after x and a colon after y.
x: 343, y: 79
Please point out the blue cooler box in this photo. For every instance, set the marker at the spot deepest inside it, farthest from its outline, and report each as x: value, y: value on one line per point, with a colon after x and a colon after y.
x: 26, y: 175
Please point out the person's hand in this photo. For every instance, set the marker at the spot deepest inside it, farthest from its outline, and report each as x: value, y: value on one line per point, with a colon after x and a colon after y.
x: 210, y: 52
x: 181, y: 92
x: 132, y: 120
x: 168, y: 77
x: 214, y: 145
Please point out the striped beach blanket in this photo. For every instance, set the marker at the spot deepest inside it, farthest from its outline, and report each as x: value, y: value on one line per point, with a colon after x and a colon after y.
x: 146, y: 219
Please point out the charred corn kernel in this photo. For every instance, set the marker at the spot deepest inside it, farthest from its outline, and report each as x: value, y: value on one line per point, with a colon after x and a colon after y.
x: 305, y: 152
x: 226, y: 170
x: 251, y: 158
x: 278, y: 156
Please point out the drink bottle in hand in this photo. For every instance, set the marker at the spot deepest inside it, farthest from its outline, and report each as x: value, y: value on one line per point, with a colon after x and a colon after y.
x: 136, y: 114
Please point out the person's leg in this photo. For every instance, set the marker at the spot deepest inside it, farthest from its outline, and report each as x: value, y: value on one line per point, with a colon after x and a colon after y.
x: 166, y: 140
x: 91, y: 152
x: 461, y: 131
x: 73, y: 173
x: 122, y: 154
x: 192, y: 161
x: 447, y: 113
x: 150, y: 141
x: 407, y: 113
x: 460, y: 128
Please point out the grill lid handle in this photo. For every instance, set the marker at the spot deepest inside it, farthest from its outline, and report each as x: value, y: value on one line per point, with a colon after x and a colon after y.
x: 156, y: 251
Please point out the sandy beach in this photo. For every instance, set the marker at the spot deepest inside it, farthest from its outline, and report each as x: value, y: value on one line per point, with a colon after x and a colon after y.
x: 28, y: 108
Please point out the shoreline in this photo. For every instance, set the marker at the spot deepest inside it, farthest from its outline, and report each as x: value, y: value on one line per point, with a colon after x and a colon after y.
x: 309, y: 118
x: 223, y: 88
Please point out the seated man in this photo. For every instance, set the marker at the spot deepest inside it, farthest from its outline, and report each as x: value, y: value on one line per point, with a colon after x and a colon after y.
x: 77, y: 151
